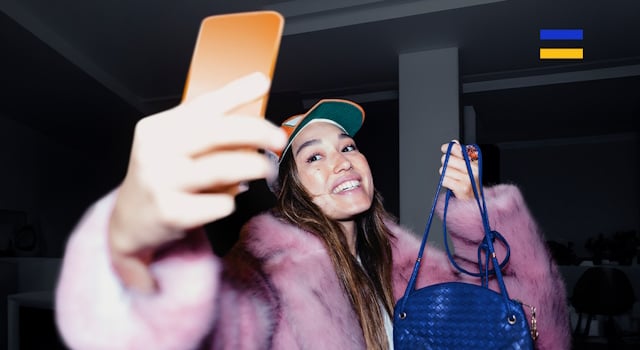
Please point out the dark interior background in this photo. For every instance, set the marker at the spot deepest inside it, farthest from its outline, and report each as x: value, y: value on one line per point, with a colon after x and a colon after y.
x: 77, y: 76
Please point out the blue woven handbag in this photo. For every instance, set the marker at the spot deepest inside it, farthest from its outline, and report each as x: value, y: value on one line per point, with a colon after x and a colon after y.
x: 458, y: 315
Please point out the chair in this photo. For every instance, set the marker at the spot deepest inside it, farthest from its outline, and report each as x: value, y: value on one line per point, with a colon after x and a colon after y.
x: 602, y: 291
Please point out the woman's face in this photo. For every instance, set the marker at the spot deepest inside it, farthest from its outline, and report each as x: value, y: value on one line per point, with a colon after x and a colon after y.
x: 332, y: 170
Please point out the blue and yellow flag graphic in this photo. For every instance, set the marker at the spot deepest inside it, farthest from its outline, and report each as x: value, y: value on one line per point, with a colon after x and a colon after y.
x: 562, y: 53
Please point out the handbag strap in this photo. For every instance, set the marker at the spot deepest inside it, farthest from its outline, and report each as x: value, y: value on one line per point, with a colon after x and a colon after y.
x: 489, y: 233
x: 487, y: 243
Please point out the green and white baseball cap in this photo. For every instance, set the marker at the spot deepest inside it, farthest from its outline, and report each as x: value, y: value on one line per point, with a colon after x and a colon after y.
x: 345, y: 114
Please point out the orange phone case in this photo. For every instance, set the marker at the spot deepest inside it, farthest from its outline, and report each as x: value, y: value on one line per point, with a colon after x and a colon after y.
x: 231, y: 46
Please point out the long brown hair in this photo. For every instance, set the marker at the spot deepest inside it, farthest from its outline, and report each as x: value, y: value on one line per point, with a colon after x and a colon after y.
x: 364, y: 287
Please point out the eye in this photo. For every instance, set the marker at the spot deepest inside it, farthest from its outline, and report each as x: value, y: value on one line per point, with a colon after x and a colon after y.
x: 314, y: 158
x: 350, y: 148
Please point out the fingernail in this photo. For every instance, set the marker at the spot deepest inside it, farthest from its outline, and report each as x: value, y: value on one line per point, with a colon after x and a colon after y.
x: 243, y: 187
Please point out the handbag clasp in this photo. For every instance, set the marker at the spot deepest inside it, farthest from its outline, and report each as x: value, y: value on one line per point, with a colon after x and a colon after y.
x: 534, y: 325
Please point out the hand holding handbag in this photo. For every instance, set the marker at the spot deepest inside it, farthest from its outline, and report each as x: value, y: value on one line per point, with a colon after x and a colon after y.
x: 457, y: 315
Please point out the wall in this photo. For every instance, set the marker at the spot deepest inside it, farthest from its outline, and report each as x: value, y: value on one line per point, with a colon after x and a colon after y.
x: 577, y: 188
x: 19, y: 164
x: 44, y: 178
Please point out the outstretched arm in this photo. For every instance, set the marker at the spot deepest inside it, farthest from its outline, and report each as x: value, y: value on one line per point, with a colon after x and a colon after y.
x: 137, y: 272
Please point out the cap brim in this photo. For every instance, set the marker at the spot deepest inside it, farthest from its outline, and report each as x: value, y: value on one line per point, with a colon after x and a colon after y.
x: 346, y: 114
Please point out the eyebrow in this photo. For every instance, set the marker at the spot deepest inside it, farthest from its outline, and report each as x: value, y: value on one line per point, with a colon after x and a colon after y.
x: 315, y: 141
x: 306, y: 144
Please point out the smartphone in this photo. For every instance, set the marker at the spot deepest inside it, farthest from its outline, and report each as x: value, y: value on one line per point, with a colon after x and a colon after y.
x: 231, y: 46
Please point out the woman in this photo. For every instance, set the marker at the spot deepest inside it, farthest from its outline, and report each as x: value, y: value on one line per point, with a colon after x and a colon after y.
x: 322, y: 270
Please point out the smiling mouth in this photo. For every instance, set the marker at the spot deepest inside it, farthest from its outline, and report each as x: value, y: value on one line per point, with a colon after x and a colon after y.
x: 346, y: 186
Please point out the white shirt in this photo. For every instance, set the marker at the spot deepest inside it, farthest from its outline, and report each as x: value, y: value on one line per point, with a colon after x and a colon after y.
x: 388, y: 324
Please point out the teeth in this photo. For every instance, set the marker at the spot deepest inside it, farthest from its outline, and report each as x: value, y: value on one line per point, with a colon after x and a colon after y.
x: 345, y: 186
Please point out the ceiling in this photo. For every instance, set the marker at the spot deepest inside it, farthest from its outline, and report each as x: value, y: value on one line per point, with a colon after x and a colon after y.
x: 98, y: 66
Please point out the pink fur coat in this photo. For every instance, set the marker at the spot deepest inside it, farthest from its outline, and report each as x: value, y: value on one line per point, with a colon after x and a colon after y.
x: 277, y: 289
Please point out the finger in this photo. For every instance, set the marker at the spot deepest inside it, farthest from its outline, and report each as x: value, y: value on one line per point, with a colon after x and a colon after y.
x: 207, y: 134
x: 231, y: 96
x: 459, y: 164
x: 461, y: 189
x: 457, y: 171
x: 193, y: 210
x: 456, y: 174
x: 222, y: 169
x: 455, y: 149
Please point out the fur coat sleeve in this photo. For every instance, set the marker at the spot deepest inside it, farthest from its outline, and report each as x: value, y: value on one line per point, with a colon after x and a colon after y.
x: 95, y: 311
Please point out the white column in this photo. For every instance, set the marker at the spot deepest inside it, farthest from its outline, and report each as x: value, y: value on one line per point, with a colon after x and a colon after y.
x: 429, y: 116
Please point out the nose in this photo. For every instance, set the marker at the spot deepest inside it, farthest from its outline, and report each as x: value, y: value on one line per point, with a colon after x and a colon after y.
x: 342, y: 163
